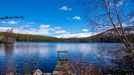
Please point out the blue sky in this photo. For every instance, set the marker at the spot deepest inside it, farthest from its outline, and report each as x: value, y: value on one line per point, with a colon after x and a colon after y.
x: 65, y: 15
x: 60, y: 18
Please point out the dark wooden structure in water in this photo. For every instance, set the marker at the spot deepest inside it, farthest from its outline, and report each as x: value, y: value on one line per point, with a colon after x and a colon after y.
x: 62, y: 68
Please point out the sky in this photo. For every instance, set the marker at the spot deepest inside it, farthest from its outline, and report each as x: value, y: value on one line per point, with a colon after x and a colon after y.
x: 57, y: 18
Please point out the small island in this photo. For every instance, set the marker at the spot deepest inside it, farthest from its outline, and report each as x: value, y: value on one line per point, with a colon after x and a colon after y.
x: 8, y: 37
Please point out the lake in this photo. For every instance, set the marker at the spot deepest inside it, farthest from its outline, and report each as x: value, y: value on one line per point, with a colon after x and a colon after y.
x: 43, y: 55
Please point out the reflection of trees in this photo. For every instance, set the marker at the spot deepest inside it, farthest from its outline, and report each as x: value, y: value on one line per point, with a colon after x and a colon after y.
x: 1, y: 45
x: 10, y: 61
x: 31, y: 58
x: 32, y: 53
x: 1, y: 60
x: 9, y: 48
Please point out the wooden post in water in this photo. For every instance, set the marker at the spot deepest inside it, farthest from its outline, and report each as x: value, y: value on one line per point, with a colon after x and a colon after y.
x: 61, y: 59
x: 62, y: 67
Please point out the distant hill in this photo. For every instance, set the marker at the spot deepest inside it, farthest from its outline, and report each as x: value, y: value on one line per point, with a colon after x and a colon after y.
x: 111, y: 36
x: 128, y: 31
x: 106, y: 36
x: 33, y: 38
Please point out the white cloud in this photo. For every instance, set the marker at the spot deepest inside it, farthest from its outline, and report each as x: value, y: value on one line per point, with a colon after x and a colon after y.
x: 57, y: 27
x: 77, y: 18
x: 9, y: 22
x: 12, y: 22
x: 31, y: 23
x: 120, y: 3
x: 132, y: 19
x: 58, y: 34
x: 33, y: 31
x: 85, y: 30
x: 25, y: 26
x: 3, y: 29
x: 47, y: 30
x: 3, y: 21
x: 77, y: 35
x: 60, y: 31
x: 44, y: 29
x: 65, y: 8
x: 125, y: 25
x: 100, y: 28
x: 44, y: 26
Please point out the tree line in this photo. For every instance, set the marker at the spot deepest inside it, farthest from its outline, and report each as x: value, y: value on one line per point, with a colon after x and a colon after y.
x: 39, y: 38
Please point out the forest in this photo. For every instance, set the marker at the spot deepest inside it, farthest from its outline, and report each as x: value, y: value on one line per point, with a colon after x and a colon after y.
x: 39, y: 38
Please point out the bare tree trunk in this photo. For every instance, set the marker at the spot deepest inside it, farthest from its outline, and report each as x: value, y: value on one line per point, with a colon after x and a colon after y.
x: 123, y: 32
x: 115, y: 28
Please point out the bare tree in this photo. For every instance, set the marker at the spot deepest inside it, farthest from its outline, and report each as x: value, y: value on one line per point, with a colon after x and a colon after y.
x: 111, y: 13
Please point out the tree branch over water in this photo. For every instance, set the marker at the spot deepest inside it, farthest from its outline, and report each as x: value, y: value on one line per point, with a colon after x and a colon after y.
x: 112, y: 13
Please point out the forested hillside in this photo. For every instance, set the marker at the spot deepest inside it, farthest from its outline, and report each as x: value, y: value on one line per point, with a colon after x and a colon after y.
x: 37, y: 38
x: 106, y: 36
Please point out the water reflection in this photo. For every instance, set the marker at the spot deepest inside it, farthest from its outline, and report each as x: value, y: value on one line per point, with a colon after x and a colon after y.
x: 9, y: 49
x: 32, y: 55
x: 94, y: 53
x: 9, y: 63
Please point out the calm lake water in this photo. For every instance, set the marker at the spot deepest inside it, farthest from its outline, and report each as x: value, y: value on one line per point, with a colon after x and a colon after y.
x: 43, y: 55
